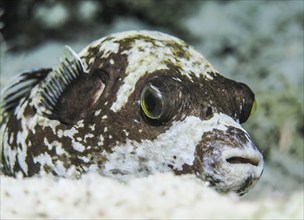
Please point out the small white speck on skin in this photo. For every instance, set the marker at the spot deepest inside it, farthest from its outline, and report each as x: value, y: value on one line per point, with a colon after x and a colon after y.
x: 59, y: 149
x: 140, y: 130
x: 104, y: 117
x: 80, y: 124
x: 78, y: 146
x: 92, y: 127
x: 11, y: 138
x: 79, y: 139
x: 177, y: 79
x: 91, y: 60
x: 84, y: 159
x: 60, y: 133
x: 126, y: 132
x: 46, y: 143
x: 70, y: 133
x: 97, y: 112
x: 106, y: 103
x: 89, y: 135
x: 100, y: 142
x: 110, y: 137
x: 112, y: 61
x: 105, y: 129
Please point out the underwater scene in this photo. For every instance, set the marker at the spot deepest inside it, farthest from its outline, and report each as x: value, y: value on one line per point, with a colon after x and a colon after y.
x: 152, y: 109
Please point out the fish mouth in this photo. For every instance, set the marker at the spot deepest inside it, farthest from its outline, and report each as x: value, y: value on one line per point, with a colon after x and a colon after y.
x: 249, y: 156
x: 243, y: 160
x: 235, y: 169
x: 242, y: 168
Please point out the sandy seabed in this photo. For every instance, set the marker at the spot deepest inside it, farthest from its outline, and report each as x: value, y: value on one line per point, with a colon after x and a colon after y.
x: 164, y: 196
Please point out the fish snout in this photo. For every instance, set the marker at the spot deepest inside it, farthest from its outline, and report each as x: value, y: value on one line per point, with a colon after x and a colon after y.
x: 242, y: 168
x: 230, y: 161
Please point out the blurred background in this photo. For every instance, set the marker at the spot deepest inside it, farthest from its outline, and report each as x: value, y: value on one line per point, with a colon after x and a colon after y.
x: 257, y: 42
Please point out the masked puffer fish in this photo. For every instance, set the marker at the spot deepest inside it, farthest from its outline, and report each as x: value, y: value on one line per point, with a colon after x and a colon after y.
x: 129, y: 105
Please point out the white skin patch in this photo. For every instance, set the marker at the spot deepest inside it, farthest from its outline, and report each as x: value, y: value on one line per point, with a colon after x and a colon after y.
x: 70, y: 133
x: 140, y: 63
x: 55, y: 144
x: 92, y: 127
x: 19, y: 111
x: 80, y: 124
x: 7, y: 150
x: 78, y: 146
x: 180, y: 141
x: 88, y: 136
x: 97, y: 112
x: 100, y: 142
x: 60, y: 169
x: 59, y: 149
x: 145, y: 57
x: 60, y: 133
x: 44, y: 123
x: 31, y: 123
x: 43, y: 159
x: 84, y: 159
x: 21, y: 140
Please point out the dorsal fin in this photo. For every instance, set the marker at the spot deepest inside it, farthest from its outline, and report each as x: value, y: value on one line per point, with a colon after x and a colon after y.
x: 50, y: 91
x: 21, y: 87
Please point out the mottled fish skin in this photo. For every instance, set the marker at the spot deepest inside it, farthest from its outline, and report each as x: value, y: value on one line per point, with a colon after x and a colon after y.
x: 100, y: 125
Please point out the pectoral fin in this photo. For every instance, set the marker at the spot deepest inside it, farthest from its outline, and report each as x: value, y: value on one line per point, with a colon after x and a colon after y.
x: 69, y: 92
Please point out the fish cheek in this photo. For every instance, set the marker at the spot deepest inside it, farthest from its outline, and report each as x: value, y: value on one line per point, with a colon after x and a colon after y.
x: 79, y: 99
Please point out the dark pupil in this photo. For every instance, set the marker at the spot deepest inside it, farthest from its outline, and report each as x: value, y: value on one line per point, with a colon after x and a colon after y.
x: 152, y: 103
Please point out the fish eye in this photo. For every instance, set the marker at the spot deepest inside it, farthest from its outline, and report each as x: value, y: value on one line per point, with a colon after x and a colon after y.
x: 152, y: 102
x: 161, y: 99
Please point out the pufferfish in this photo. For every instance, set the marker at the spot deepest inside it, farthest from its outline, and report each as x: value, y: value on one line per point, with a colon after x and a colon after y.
x: 129, y: 105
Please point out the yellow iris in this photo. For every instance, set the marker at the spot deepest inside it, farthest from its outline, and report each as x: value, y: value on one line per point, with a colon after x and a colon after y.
x: 145, y: 109
x: 254, y: 107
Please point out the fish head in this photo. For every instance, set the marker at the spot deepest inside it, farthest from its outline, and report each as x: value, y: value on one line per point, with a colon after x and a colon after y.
x: 169, y: 109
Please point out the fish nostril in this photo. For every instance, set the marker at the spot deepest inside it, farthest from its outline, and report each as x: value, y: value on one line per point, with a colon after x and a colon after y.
x: 243, y: 160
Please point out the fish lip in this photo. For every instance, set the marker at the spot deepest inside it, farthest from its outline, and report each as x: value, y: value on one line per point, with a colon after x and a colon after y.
x: 237, y: 177
x: 248, y: 160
